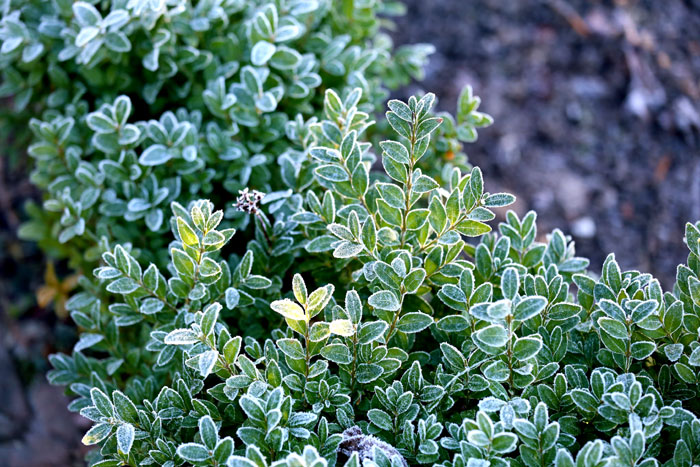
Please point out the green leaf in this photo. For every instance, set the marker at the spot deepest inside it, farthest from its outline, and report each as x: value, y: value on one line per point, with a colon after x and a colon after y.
x: 395, y: 170
x: 332, y: 173
x: 673, y: 318
x: 424, y: 184
x: 208, y: 432
x: 496, y: 371
x: 151, y: 306
x: 257, y: 282
x: 210, y: 268
x: 97, y: 433
x: 319, y: 298
x: 396, y: 151
x: 232, y: 348
x: 193, y: 452
x: 414, y: 280
x: 210, y: 316
x: 613, y: 327
x: 232, y: 297
x: 368, y: 372
x: 614, y: 344
x: 526, y: 347
x: 346, y: 249
x: 156, y: 154
x: 453, y: 357
x: 338, y: 353
x: 321, y: 244
x: 97, y: 121
x: 125, y: 437
x: 453, y: 323
x: 183, y: 263
x: 494, y: 335
x: 504, y: 442
x: 285, y: 58
x: 694, y: 358
x: 389, y: 214
x: 643, y: 310
x: 438, y: 215
x: 291, y: 348
x: 381, y: 419
x: 612, y: 309
x: 246, y: 264
x: 101, y: 402
x: 399, y: 125
x: 414, y: 322
x: 369, y: 332
x: 252, y: 408
x: 123, y: 285
x: 289, y: 309
x: 384, y: 300
x: 673, y: 351
x: 392, y: 194
x: 342, y: 327
x: 87, y: 340
x: 125, y: 407
x: 401, y: 110
x: 416, y: 219
x: 206, y: 362
x: 262, y: 52
x: 299, y: 288
x: 427, y: 126
x: 369, y: 234
x: 476, y: 182
x: 584, y: 400
x: 472, y: 228
x: 643, y: 349
x: 498, y: 200
x: 181, y: 337
x: 685, y: 373
x: 86, y: 14
x: 213, y: 238
x: 320, y: 331
x: 117, y: 42
x: 510, y: 283
x: 529, y: 307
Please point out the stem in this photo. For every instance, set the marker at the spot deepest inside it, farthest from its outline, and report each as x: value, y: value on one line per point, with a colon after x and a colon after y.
x: 354, y: 362
x: 452, y: 227
x: 392, y: 327
x: 263, y: 220
x: 153, y: 294
x: 361, y: 197
x: 409, y: 182
x: 509, y: 351
x: 220, y: 358
x: 628, y: 353
x: 307, y: 357
x: 200, y: 255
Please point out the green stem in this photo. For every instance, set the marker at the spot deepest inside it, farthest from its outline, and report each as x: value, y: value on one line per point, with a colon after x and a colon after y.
x: 409, y: 183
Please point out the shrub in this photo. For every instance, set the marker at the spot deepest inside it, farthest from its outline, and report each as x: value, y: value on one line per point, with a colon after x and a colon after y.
x: 341, y: 318
x: 146, y: 102
x: 407, y: 346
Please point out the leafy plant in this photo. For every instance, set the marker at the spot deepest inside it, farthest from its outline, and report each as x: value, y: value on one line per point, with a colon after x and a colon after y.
x: 334, y: 313
x: 135, y: 104
x: 419, y: 348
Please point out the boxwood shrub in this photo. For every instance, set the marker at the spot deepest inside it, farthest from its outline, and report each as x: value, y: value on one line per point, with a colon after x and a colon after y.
x: 272, y: 278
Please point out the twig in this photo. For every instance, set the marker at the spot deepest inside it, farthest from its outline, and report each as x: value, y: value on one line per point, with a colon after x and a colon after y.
x: 575, y: 20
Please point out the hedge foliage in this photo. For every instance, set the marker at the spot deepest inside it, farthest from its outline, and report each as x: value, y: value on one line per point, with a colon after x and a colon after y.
x: 271, y: 278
